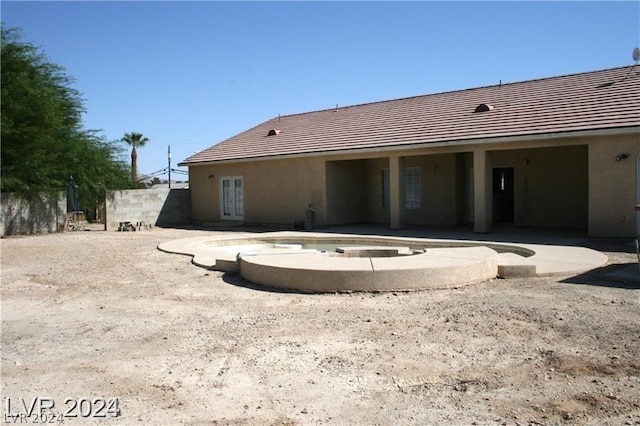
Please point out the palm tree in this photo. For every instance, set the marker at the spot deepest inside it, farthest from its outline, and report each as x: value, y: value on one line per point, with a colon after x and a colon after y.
x: 135, y: 140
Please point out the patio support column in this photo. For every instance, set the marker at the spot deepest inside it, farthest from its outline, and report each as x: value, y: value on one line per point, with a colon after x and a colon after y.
x: 396, y: 192
x: 482, y: 214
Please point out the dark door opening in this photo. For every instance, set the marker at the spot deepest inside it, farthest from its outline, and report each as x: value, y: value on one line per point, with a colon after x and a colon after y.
x: 503, y: 195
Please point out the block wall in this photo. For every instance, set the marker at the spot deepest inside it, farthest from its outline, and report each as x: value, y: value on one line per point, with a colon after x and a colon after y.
x: 158, y: 207
x: 35, y: 214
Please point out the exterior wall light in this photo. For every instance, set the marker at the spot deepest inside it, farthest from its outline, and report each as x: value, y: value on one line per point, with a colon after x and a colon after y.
x: 622, y: 156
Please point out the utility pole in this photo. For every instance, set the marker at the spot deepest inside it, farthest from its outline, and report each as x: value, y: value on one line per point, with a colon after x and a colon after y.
x: 169, y: 155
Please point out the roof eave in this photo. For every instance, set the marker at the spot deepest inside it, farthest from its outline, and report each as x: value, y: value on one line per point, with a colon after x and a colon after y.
x: 449, y: 143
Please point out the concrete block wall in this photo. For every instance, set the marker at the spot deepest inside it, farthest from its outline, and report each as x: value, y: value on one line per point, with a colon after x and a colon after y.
x: 158, y: 207
x: 34, y: 214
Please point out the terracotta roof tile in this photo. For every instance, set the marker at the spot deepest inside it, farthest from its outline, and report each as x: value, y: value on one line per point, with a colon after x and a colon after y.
x: 587, y: 101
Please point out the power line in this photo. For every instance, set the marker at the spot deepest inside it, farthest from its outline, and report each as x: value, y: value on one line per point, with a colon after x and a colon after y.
x: 162, y: 172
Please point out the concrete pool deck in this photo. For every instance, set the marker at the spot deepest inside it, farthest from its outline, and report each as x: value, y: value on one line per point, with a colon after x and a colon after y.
x: 445, y: 263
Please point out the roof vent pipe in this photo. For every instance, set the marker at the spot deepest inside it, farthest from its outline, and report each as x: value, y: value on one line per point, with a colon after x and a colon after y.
x: 274, y: 132
x: 484, y: 108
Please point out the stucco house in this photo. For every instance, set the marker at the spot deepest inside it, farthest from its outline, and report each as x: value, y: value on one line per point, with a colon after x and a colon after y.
x: 559, y: 152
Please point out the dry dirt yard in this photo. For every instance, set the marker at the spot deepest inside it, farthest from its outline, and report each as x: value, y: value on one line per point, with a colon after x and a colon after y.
x: 107, y: 315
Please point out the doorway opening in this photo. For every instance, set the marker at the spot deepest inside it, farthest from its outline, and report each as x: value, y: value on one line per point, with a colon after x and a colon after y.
x: 503, y: 195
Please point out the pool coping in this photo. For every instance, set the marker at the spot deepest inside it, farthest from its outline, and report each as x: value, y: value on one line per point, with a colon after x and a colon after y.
x: 531, y: 259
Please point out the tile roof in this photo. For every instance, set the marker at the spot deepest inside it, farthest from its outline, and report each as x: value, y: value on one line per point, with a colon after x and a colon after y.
x: 587, y: 101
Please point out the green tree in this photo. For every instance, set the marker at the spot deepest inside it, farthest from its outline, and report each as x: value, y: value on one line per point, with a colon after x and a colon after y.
x: 43, y: 139
x: 134, y: 140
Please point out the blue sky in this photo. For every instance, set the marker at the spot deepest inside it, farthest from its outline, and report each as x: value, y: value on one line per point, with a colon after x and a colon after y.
x: 191, y: 74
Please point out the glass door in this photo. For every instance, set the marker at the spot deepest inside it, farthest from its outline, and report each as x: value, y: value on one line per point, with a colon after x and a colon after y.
x: 231, y: 198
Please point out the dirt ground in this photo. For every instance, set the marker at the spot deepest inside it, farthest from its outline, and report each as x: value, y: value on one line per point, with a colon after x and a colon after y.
x: 98, y: 314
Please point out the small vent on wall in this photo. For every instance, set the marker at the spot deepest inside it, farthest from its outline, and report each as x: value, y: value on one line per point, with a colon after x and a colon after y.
x: 274, y: 132
x: 484, y: 108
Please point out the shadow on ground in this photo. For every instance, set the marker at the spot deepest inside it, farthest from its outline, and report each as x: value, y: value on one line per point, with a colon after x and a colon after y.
x: 620, y: 275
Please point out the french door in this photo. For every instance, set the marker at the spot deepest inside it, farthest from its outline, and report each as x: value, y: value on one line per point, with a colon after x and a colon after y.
x: 231, y: 198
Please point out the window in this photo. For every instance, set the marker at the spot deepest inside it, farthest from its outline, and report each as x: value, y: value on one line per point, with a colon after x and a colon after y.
x: 385, y: 189
x: 411, y: 188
